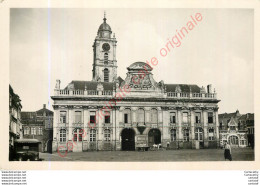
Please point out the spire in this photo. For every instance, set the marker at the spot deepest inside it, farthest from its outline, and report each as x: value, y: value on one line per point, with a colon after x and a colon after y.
x: 104, y: 16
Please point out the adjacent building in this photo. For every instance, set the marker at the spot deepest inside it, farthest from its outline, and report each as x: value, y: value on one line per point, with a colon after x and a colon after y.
x: 248, y: 121
x: 15, y: 125
x: 111, y: 113
x: 39, y: 125
x: 237, y: 129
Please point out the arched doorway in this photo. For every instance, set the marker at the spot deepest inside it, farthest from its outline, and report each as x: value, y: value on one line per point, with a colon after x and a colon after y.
x: 49, y: 146
x: 128, y: 139
x: 154, y: 137
x: 233, y: 140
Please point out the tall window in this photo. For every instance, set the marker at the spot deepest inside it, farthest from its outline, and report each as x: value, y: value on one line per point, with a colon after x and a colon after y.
x: 199, y: 134
x: 210, y: 117
x: 63, y: 116
x: 220, y: 125
x: 127, y: 118
x: 197, y: 117
x: 105, y: 58
x: 141, y: 116
x: 92, y: 117
x: 211, y: 134
x: 107, y: 117
x: 33, y: 131
x: 106, y: 75
x: 92, y: 135
x: 154, y: 116
x: 77, y: 134
x: 40, y: 131
x: 173, y: 134
x: 62, y: 135
x: 26, y: 130
x: 185, y: 117
x: 186, y: 135
x: 107, y: 134
x: 172, y: 117
x: 78, y: 117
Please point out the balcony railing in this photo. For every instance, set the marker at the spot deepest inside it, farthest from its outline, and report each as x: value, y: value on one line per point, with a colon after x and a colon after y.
x: 192, y: 95
x: 59, y: 92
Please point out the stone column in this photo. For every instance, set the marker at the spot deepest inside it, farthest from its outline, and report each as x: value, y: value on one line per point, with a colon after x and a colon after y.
x: 217, y: 126
x: 179, y: 126
x: 205, y: 129
x: 165, y: 124
x: 99, y: 125
x: 70, y: 119
x: 192, y: 126
x: 118, y: 142
x: 147, y: 114
x: 85, y: 126
x: 160, y: 116
x: 134, y: 114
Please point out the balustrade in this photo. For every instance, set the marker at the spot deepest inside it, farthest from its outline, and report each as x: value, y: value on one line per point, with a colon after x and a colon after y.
x: 82, y: 93
x: 192, y: 95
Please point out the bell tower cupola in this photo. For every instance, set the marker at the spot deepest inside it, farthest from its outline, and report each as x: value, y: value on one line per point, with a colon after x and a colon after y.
x: 104, y: 50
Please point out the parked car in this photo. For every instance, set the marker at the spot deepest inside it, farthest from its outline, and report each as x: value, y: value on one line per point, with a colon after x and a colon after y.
x: 26, y: 150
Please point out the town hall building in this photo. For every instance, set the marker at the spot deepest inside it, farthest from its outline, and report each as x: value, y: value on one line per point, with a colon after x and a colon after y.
x: 150, y: 113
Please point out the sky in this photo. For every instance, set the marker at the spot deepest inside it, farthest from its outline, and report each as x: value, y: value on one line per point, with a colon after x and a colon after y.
x: 50, y: 44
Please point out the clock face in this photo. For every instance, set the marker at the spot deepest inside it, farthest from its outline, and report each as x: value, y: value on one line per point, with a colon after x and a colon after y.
x: 106, y: 47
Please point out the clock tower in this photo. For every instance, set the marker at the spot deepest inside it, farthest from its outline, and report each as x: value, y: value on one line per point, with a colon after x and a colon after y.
x: 104, y: 49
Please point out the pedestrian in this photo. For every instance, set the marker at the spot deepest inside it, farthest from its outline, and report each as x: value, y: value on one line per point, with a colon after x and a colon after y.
x: 227, y: 151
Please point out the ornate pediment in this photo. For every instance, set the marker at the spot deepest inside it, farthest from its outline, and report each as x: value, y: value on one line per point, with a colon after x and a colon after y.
x: 100, y: 87
x: 141, y: 82
x: 71, y: 86
x: 178, y: 89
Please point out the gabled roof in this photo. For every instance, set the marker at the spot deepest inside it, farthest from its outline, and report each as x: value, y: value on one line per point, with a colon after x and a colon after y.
x: 233, y: 121
x: 44, y: 110
x: 183, y: 87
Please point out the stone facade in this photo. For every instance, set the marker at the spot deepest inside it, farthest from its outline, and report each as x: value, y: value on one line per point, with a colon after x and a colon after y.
x: 109, y: 113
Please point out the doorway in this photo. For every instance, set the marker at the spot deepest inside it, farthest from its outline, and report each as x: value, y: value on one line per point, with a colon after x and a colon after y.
x: 128, y: 139
x: 233, y: 140
x: 154, y: 137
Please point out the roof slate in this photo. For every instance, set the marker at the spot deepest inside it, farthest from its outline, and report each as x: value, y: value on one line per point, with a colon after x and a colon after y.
x: 91, y: 85
x: 184, y: 88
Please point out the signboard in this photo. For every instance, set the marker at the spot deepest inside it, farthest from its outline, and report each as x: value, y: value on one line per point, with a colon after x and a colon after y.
x: 141, y: 141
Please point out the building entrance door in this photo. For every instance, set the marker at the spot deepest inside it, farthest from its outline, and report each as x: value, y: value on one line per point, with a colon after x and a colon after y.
x: 233, y: 140
x: 128, y: 139
x: 154, y: 137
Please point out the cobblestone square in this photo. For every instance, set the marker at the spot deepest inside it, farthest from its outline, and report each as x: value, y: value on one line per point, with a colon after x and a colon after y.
x: 238, y: 154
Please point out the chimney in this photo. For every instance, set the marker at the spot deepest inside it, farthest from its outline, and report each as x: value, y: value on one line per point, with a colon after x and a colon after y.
x: 57, y: 86
x: 44, y: 106
x: 209, y: 88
